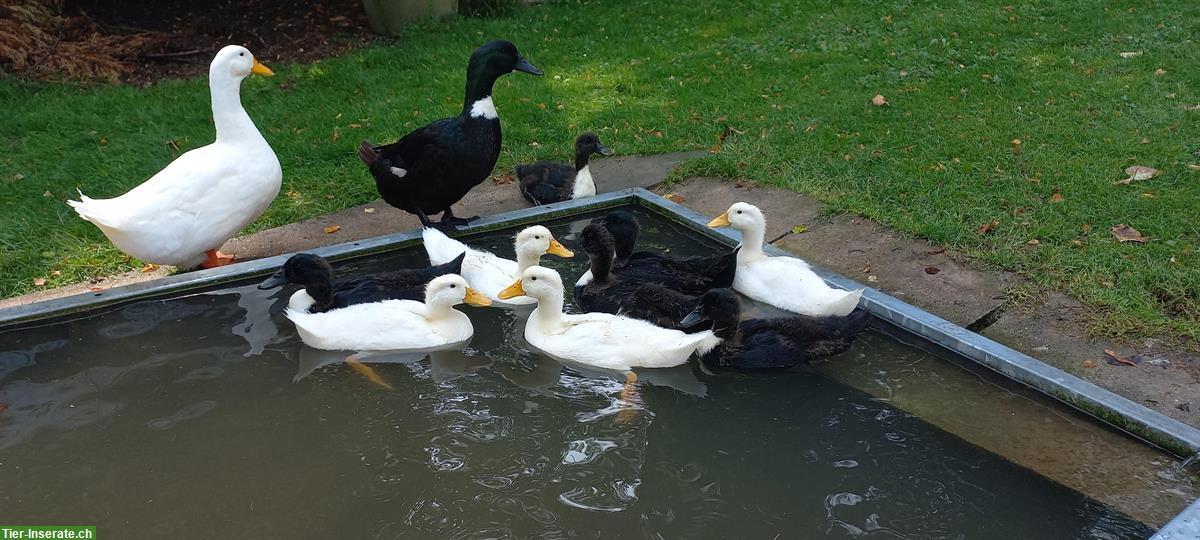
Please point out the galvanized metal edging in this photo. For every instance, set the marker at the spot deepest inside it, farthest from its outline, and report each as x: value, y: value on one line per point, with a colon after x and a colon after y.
x: 1171, y: 434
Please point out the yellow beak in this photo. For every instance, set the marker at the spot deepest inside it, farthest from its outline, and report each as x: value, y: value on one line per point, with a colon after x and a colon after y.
x: 559, y: 249
x: 476, y: 298
x: 511, y: 291
x: 720, y: 221
x: 260, y: 69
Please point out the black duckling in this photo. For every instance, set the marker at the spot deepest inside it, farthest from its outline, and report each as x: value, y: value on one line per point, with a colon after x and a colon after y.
x: 548, y: 182
x: 430, y: 169
x: 614, y: 293
x: 321, y: 293
x: 775, y: 343
x: 691, y: 275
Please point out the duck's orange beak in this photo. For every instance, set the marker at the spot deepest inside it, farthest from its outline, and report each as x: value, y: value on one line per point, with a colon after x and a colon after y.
x: 260, y: 69
x: 512, y: 291
x: 720, y: 221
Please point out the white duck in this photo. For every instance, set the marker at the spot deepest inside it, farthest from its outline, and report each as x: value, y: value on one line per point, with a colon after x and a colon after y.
x: 599, y: 340
x: 488, y: 273
x: 784, y: 282
x: 395, y: 325
x: 181, y: 215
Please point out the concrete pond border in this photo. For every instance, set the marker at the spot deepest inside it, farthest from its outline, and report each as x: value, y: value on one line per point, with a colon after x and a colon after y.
x: 1137, y: 420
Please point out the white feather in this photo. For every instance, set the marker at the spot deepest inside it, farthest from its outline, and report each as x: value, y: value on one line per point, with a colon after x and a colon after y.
x: 484, y: 108
x: 584, y: 186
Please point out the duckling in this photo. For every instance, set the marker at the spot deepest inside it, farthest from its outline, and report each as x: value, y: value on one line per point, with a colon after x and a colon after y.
x: 321, y: 293
x: 784, y: 282
x: 690, y: 275
x: 395, y: 325
x: 548, y: 182
x: 599, y: 340
x: 182, y: 214
x: 774, y: 343
x: 433, y: 167
x: 615, y: 293
x: 489, y: 273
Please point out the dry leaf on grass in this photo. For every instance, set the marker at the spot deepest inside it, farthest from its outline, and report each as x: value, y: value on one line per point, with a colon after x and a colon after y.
x: 1034, y: 242
x: 1016, y: 146
x: 1056, y: 197
x: 39, y: 282
x: 503, y: 179
x: 1114, y: 358
x: 987, y: 227
x: 1138, y: 172
x: 332, y: 229
x: 879, y: 100
x: 150, y: 267
x: 1131, y: 54
x: 1125, y: 233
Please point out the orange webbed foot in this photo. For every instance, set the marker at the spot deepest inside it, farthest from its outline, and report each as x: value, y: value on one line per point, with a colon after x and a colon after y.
x: 216, y: 258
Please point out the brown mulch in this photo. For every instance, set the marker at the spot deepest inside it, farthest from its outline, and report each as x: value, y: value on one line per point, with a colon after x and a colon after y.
x: 141, y: 41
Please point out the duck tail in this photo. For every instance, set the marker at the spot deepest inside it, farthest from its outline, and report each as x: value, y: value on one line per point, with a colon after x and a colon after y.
x: 708, y: 343
x: 844, y: 305
x: 87, y: 209
x: 368, y: 154
x: 855, y: 322
x: 726, y: 269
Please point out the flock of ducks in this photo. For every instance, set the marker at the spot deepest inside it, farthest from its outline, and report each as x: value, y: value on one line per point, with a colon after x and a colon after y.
x: 639, y: 308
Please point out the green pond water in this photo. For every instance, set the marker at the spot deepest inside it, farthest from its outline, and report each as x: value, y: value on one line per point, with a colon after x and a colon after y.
x: 204, y: 416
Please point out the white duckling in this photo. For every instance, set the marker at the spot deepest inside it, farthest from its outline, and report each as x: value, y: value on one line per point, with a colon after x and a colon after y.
x: 488, y: 273
x: 599, y: 340
x: 395, y: 325
x: 784, y: 282
x: 182, y: 214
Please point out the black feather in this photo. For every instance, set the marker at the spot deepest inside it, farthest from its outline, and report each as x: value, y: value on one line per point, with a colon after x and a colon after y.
x: 315, y: 274
x: 547, y: 182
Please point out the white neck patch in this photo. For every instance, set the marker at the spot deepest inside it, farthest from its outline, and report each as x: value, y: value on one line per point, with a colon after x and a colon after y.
x: 584, y: 185
x: 484, y: 108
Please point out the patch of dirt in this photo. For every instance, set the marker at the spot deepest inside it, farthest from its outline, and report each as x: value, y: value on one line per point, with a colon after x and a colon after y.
x: 142, y: 41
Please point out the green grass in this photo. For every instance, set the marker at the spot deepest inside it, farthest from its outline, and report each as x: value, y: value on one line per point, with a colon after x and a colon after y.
x: 792, y: 81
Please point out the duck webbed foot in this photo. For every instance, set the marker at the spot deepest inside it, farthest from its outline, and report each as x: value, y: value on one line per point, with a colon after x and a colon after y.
x: 448, y: 217
x: 214, y: 258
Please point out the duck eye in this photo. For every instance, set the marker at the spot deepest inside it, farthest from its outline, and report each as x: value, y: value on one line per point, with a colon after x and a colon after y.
x: 537, y: 237
x: 241, y: 54
x: 739, y: 211
x: 453, y: 286
x: 533, y: 279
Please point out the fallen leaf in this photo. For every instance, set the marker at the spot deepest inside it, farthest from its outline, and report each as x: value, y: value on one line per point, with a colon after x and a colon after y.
x: 369, y: 210
x: 879, y: 100
x: 799, y: 228
x: 541, y: 106
x: 1147, y: 195
x: 1145, y: 140
x: 1033, y: 242
x: 931, y: 270
x: 150, y: 267
x: 1192, y: 166
x: 367, y: 372
x: 872, y: 279
x: 503, y: 179
x: 1131, y: 54
x: 332, y: 229
x: 95, y: 289
x: 987, y: 227
x: 1056, y: 197
x: 39, y: 282
x: 1138, y: 172
x: 674, y: 197
x: 293, y: 194
x: 1160, y: 72
x: 1077, y: 243
x: 1089, y: 363
x: 354, y: 126
x: 1125, y: 233
x: 47, y: 194
x: 1016, y: 146
x: 336, y: 134
x: 1114, y: 358
x: 936, y: 251
x: 56, y: 273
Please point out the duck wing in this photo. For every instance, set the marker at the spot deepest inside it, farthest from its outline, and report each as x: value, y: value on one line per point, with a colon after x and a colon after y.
x: 546, y: 182
x: 650, y: 302
x: 801, y: 337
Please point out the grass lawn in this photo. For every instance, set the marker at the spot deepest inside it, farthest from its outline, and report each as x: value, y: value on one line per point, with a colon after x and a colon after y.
x: 793, y: 81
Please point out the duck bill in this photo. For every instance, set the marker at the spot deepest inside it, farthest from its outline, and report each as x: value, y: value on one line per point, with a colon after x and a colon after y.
x: 691, y: 319
x: 602, y: 150
x: 276, y: 280
x: 720, y: 221
x: 476, y: 298
x: 559, y: 249
x: 260, y: 69
x: 512, y: 291
x: 523, y: 65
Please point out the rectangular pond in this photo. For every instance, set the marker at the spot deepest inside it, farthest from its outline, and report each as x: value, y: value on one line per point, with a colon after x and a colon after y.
x: 201, y: 415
